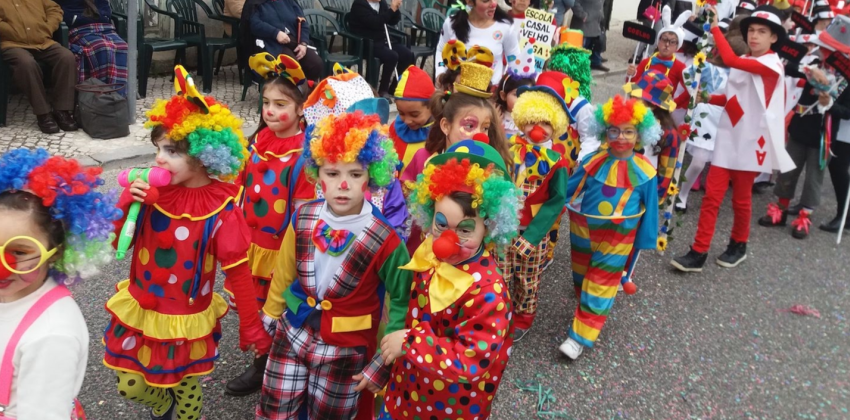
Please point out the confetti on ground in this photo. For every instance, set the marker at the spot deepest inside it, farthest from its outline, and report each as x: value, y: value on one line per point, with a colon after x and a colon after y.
x: 802, y: 310
x: 544, y: 399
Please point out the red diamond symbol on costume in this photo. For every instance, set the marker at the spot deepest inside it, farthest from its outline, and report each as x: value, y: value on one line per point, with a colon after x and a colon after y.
x: 761, y: 142
x: 733, y: 109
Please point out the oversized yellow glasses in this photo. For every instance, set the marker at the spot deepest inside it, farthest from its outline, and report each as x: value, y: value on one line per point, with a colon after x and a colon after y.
x: 23, y: 254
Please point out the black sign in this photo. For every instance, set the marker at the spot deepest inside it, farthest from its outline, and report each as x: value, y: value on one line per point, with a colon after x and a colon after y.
x: 637, y: 32
x: 803, y: 23
x: 791, y: 51
x: 840, y: 63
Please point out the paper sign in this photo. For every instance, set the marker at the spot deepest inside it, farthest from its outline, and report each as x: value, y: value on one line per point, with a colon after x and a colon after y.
x: 791, y: 51
x: 840, y: 63
x: 802, y: 22
x: 539, y: 31
x: 637, y: 32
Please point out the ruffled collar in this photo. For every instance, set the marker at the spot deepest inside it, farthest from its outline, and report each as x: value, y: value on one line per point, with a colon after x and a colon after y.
x: 178, y: 202
x: 628, y: 173
x: 268, y: 145
x: 405, y: 134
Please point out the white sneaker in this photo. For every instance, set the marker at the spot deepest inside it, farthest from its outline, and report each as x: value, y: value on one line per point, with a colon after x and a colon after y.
x: 571, y: 348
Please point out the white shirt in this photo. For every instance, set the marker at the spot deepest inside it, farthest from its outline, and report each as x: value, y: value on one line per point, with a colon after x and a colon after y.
x: 50, y: 359
x: 586, y: 126
x: 499, y: 38
x: 326, y: 265
x: 375, y: 5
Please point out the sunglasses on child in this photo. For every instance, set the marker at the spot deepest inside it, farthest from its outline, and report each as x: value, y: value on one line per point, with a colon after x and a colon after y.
x: 628, y: 134
x: 23, y: 254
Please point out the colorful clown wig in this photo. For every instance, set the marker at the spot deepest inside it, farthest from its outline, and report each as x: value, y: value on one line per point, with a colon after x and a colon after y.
x: 632, y: 111
x: 575, y: 63
x: 494, y: 197
x: 352, y: 137
x: 214, y: 134
x: 67, y: 191
x: 537, y: 107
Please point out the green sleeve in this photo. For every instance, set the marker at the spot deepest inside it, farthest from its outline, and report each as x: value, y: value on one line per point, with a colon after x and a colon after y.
x: 550, y: 210
x: 397, y: 282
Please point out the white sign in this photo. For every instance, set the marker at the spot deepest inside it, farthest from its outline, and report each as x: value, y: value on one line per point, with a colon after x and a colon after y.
x: 538, y: 29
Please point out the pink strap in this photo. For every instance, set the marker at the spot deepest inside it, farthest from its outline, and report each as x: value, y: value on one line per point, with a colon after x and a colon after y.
x: 6, y: 367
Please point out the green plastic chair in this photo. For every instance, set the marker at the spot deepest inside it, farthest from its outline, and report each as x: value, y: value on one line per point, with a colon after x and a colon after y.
x: 147, y: 46
x: 218, y: 8
x: 189, y: 29
x: 323, y: 32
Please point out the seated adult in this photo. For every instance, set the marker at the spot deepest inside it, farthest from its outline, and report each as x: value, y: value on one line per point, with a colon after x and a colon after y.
x: 232, y: 8
x: 100, y: 52
x: 368, y: 19
x: 280, y: 28
x: 26, y: 35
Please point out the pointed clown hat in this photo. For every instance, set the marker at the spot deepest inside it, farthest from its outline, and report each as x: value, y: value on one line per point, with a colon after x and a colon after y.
x: 214, y: 134
x: 547, y: 101
x: 475, y: 65
x: 335, y: 94
x: 414, y: 85
x: 476, y: 168
x: 653, y: 87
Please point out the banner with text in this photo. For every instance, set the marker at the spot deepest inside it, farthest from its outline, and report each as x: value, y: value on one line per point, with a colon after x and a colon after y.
x: 539, y: 31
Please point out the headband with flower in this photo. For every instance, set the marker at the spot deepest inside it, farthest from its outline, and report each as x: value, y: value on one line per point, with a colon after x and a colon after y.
x: 213, y: 132
x: 632, y: 111
x: 348, y: 138
x: 67, y: 189
x: 493, y: 196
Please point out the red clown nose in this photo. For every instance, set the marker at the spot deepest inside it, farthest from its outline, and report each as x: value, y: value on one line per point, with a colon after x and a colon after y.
x: 537, y: 134
x: 446, y: 245
x: 11, y: 261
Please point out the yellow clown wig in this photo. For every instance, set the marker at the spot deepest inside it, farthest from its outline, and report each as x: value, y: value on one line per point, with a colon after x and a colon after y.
x: 348, y: 138
x: 214, y: 134
x: 534, y: 107
x: 632, y: 111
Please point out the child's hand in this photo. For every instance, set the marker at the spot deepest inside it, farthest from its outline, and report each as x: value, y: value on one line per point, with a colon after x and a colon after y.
x: 365, y: 383
x: 137, y: 190
x: 391, y: 346
x: 631, y: 70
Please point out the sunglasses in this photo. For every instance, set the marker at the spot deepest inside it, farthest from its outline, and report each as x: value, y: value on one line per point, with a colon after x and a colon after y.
x: 628, y: 134
x: 23, y: 254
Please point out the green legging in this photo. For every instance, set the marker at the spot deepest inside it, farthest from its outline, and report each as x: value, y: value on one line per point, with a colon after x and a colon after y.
x: 189, y: 397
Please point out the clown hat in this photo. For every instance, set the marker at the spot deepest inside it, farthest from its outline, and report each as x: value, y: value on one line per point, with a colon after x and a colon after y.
x: 693, y: 32
x: 746, y: 5
x: 765, y: 15
x: 557, y: 84
x: 335, y: 94
x: 822, y: 12
x: 268, y: 67
x: 655, y: 88
x: 372, y: 106
x: 414, y: 85
x: 837, y: 35
x: 477, y: 152
x: 474, y: 80
x: 522, y: 65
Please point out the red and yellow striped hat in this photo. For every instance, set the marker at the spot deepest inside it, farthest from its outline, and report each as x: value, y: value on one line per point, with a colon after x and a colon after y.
x: 414, y: 85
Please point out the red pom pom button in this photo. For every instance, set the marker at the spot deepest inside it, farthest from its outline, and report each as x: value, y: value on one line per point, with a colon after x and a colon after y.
x: 147, y: 301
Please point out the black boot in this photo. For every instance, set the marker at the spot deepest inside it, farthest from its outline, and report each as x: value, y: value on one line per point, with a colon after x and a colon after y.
x: 773, y: 217
x: 47, y: 124
x: 833, y: 225
x: 692, y: 262
x: 735, y: 254
x: 249, y: 381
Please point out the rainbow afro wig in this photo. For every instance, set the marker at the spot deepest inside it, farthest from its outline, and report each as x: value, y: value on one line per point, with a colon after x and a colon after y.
x: 352, y: 137
x: 214, y: 134
x: 495, y: 197
x: 67, y: 190
x: 632, y: 111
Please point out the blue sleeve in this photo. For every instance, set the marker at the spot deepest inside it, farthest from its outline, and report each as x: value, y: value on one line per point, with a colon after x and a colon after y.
x: 573, y: 181
x: 259, y: 25
x: 647, y: 234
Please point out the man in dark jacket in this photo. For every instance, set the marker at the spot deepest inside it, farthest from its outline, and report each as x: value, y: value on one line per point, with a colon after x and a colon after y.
x: 368, y: 19
x: 26, y: 35
x: 280, y: 26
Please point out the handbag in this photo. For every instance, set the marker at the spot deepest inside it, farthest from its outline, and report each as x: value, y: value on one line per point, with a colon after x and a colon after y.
x: 101, y: 110
x: 7, y: 369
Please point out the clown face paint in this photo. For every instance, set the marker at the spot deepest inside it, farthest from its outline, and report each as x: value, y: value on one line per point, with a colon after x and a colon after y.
x: 467, y: 123
x: 623, y: 145
x: 449, y: 215
x: 343, y: 185
x: 17, y: 286
x: 280, y: 113
x: 485, y: 9
x: 184, y: 170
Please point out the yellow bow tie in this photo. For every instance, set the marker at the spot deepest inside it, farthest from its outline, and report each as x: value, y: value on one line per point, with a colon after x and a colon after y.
x: 448, y: 283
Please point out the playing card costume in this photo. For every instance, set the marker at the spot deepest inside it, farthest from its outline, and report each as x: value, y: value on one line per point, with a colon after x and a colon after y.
x: 459, y: 317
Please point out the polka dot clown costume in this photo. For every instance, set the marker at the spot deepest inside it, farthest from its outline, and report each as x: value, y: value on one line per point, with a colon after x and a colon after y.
x: 613, y: 208
x: 458, y: 328
x: 57, y: 231
x: 541, y: 174
x: 330, y: 281
x: 164, y: 327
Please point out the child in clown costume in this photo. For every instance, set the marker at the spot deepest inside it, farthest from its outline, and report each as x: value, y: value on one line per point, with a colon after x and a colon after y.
x: 272, y: 189
x: 164, y: 327
x: 468, y: 203
x: 613, y: 208
x: 338, y: 259
x: 410, y: 128
x: 541, y: 174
